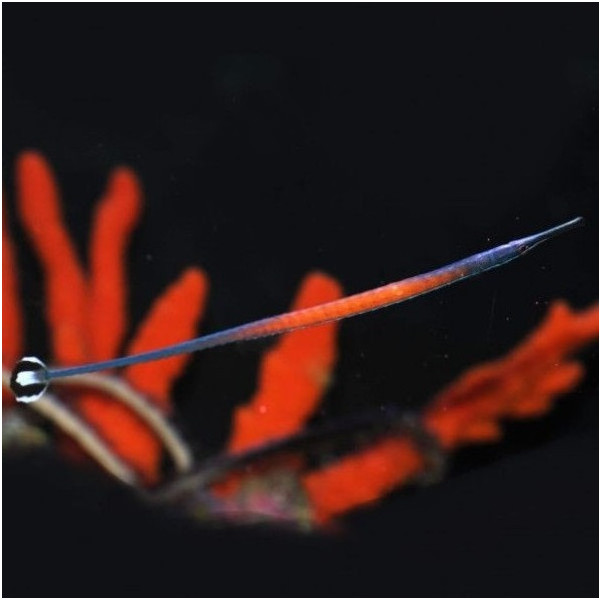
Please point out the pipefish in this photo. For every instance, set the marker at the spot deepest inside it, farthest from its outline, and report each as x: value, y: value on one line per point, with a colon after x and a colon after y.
x: 31, y: 377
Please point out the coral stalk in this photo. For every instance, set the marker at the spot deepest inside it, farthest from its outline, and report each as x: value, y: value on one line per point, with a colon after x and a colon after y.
x: 12, y: 317
x: 115, y: 217
x: 293, y: 374
x: 66, y: 294
x: 523, y: 384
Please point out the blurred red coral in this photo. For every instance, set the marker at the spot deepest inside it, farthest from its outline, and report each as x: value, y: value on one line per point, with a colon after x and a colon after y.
x: 523, y: 384
x: 88, y: 319
x: 12, y: 317
x: 293, y: 377
x: 87, y: 314
x: 362, y: 477
x: 293, y: 374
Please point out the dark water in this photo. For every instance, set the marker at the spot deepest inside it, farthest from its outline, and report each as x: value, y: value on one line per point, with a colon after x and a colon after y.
x: 370, y: 142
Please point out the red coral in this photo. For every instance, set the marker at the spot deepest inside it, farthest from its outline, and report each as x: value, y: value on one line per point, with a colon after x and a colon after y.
x: 40, y: 212
x: 116, y: 216
x: 362, y: 477
x: 12, y: 318
x: 523, y: 384
x: 171, y: 319
x: 87, y: 318
x: 293, y: 375
x: 87, y: 315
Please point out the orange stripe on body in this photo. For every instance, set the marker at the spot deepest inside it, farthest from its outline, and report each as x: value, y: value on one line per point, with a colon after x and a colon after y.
x: 355, y: 304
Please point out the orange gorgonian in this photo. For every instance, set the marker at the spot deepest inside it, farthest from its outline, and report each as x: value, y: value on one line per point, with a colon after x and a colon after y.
x: 87, y: 312
x: 523, y: 384
x: 126, y: 412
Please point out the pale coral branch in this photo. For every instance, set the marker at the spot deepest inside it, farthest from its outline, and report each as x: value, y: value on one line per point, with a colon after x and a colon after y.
x: 69, y: 423
x: 119, y: 390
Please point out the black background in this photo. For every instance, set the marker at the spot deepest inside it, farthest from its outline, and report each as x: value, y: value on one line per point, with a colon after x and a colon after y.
x: 373, y: 142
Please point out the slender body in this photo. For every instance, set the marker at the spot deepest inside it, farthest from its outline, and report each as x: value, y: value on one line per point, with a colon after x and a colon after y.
x: 31, y: 377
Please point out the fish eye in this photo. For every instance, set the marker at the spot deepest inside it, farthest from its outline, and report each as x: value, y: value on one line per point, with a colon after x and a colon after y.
x: 29, y: 379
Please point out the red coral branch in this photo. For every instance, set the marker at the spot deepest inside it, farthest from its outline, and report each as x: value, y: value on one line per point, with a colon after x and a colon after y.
x: 362, y: 477
x: 115, y: 218
x: 173, y: 318
x: 122, y: 430
x: 12, y: 317
x: 293, y: 374
x: 89, y: 323
x: 40, y: 212
x: 523, y: 384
